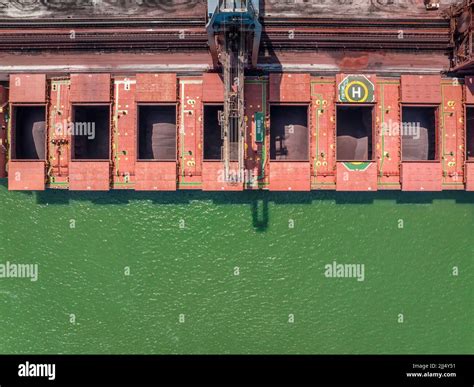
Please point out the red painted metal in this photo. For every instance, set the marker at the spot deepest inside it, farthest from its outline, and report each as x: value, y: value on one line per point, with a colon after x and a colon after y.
x: 452, y: 135
x: 155, y: 176
x: 27, y: 88
x: 213, y: 177
x: 469, y: 171
x: 323, y: 133
x: 156, y: 88
x: 348, y: 180
x: 290, y: 176
x: 89, y: 175
x: 124, y: 137
x: 26, y: 176
x: 421, y: 89
x: 421, y: 176
x: 90, y: 88
x: 388, y: 142
x: 213, y: 88
x: 290, y: 88
x: 59, y: 144
x: 190, y: 150
x: 3, y: 131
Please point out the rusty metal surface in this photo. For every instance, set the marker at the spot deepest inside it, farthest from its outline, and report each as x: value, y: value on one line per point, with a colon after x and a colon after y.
x: 213, y: 88
x: 59, y: 145
x: 423, y: 176
x: 452, y: 136
x: 461, y: 35
x: 290, y: 176
x: 290, y: 88
x: 90, y: 88
x: 213, y: 177
x: 155, y: 176
x: 156, y: 88
x: 469, y: 177
x: 373, y: 9
x: 26, y: 176
x: 89, y: 175
x: 190, y: 141
x: 421, y: 89
x: 388, y: 142
x: 90, y: 9
x: 124, y: 138
x: 323, y: 133
x: 354, y: 180
x: 27, y: 88
x: 381, y: 62
x: 469, y: 89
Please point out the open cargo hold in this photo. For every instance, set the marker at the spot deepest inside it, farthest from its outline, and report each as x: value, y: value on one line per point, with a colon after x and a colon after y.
x: 157, y: 135
x: 418, y: 131
x: 469, y: 170
x: 28, y: 133
x: 212, y: 132
x: 289, y: 133
x: 91, y: 132
x: 157, y: 132
x: 289, y: 148
x: 470, y: 133
x: 354, y: 133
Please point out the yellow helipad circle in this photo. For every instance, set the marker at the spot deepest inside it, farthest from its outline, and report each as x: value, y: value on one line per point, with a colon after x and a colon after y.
x: 363, y: 85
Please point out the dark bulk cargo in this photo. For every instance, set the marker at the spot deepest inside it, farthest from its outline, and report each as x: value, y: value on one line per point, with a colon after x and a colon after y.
x: 289, y: 133
x: 157, y: 132
x: 354, y: 133
x: 470, y: 133
x: 29, y: 132
x: 418, y: 131
x: 212, y: 132
x: 90, y: 133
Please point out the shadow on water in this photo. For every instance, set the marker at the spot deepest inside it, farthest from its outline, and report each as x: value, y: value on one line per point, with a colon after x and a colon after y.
x: 258, y: 201
x: 260, y: 217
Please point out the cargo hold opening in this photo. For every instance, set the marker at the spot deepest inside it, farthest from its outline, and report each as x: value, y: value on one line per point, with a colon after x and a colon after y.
x: 289, y: 136
x: 354, y: 133
x: 29, y: 133
x: 90, y: 132
x: 470, y: 133
x: 157, y: 132
x: 213, y: 142
x: 418, y: 133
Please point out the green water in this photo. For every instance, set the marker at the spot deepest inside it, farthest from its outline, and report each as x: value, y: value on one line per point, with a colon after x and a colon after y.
x: 190, y: 271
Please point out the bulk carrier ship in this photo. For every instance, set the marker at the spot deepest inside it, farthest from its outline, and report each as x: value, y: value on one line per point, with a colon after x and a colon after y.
x: 359, y: 95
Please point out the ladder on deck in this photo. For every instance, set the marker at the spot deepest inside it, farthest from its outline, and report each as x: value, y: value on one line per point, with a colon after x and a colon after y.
x: 233, y: 120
